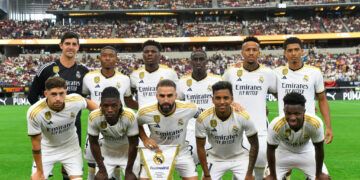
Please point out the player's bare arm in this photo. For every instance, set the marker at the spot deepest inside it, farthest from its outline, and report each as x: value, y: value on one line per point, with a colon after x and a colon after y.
x: 325, y: 112
x: 91, y: 105
x: 133, y: 143
x: 254, y: 149
x: 200, y: 144
x: 271, y: 161
x: 130, y: 103
x: 319, y: 158
x: 36, y: 151
x: 148, y: 142
x: 96, y: 151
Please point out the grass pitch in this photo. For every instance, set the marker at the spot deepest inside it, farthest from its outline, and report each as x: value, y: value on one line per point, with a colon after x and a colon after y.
x: 341, y: 156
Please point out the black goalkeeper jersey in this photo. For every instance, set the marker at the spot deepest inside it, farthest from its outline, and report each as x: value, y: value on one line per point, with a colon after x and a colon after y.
x: 73, y: 76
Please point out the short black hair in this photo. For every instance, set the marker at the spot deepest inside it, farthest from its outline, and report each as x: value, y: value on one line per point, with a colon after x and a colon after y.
x: 221, y: 85
x: 110, y: 92
x: 69, y: 35
x: 198, y: 52
x: 55, y: 82
x: 294, y: 98
x: 292, y: 40
x: 109, y: 47
x: 251, y: 38
x: 152, y: 43
x: 166, y: 83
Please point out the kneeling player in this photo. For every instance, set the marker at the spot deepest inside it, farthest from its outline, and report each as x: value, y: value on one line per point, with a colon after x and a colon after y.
x: 225, y: 128
x: 292, y: 133
x: 119, y: 128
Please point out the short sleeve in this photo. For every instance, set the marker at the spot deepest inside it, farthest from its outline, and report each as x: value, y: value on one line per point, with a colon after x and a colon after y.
x: 127, y: 90
x: 85, y: 88
x: 93, y: 129
x: 133, y: 128
x: 319, y: 82
x: 249, y: 127
x: 200, y: 130
x: 33, y: 124
x: 133, y: 80
x: 272, y: 136
x: 272, y: 81
x: 317, y: 134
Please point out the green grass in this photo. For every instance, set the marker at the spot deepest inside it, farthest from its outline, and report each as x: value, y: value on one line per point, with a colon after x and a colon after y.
x: 341, y: 156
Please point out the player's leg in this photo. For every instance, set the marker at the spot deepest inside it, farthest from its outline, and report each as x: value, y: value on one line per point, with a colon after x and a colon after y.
x: 186, y: 167
x: 48, y: 164
x: 90, y: 160
x: 307, y: 164
x: 261, y: 161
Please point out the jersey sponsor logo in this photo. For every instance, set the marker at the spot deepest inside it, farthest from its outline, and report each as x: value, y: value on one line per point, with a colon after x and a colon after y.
x: 248, y: 90
x: 239, y: 74
x: 147, y: 91
x: 157, y: 120
x: 293, y: 87
x: 158, y: 158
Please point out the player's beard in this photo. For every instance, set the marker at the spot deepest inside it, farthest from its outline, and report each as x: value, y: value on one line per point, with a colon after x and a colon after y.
x: 166, y: 108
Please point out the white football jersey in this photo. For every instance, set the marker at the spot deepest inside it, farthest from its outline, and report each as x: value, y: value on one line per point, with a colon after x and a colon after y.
x: 145, y: 83
x: 307, y: 81
x: 94, y: 83
x: 279, y: 133
x: 225, y: 137
x: 168, y: 130
x: 57, y: 129
x: 250, y: 90
x: 198, y: 92
x: 115, y: 137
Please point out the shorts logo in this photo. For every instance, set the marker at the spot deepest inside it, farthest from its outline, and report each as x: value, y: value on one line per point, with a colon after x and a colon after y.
x: 239, y: 74
x: 285, y: 72
x: 261, y: 79
x: 103, y: 125
x: 96, y: 80
x: 189, y: 83
x: 157, y: 120
x: 48, y: 115
x: 158, y: 158
x: 306, y: 78
x: 180, y: 122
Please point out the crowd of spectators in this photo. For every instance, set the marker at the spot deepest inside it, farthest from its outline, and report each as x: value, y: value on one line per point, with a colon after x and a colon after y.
x: 19, y: 71
x: 120, y: 4
x: 311, y: 2
x: 68, y: 4
x: 10, y: 29
x: 244, y: 3
x: 334, y: 25
x: 353, y: 23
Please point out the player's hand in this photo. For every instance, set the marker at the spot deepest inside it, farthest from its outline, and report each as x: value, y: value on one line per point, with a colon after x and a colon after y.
x: 328, y: 135
x: 270, y: 177
x: 323, y: 176
x: 237, y: 107
x: 101, y: 175
x: 249, y: 177
x: 206, y: 178
x: 129, y: 175
x: 150, y: 144
x: 38, y: 175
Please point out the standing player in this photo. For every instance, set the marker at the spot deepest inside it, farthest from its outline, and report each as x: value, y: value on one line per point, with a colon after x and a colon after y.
x: 196, y: 88
x: 168, y: 120
x: 303, y: 79
x: 251, y: 83
x: 51, y: 126
x: 66, y: 68
x: 225, y: 128
x: 93, y: 84
x: 289, y: 141
x: 120, y: 132
x: 144, y: 80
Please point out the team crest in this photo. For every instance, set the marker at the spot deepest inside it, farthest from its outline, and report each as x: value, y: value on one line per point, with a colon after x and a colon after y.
x: 56, y: 69
x: 213, y: 123
x: 118, y: 85
x: 287, y: 133
x: 78, y: 75
x: 306, y: 136
x: 142, y: 75
x: 180, y: 122
x: 285, y: 72
x: 239, y: 74
x: 161, y: 78
x: 235, y: 129
x: 189, y: 82
x: 72, y: 115
x: 261, y: 79
x: 209, y: 88
x: 306, y: 78
x: 157, y: 120
x: 103, y: 124
x: 96, y: 79
x: 159, y: 158
x: 48, y: 115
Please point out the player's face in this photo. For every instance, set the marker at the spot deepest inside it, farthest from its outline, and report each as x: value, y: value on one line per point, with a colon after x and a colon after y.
x: 70, y: 47
x: 250, y: 51
x: 198, y: 62
x: 151, y: 55
x: 55, y: 98
x: 111, y: 107
x: 293, y: 53
x: 166, y: 97
x: 222, y: 100
x: 108, y: 59
x: 294, y: 115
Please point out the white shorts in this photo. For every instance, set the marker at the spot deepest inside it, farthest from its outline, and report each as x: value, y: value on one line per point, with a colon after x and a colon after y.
x: 286, y: 160
x: 191, y: 140
x: 87, y: 153
x: 71, y: 160
x: 184, y: 165
x: 239, y: 167
x: 261, y: 161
